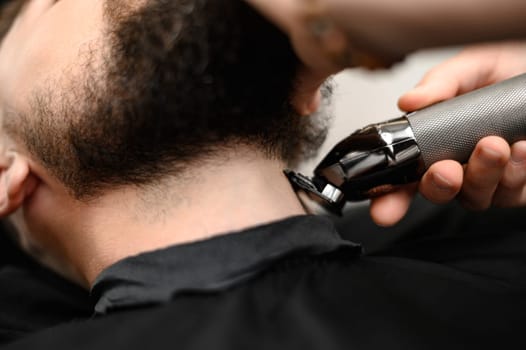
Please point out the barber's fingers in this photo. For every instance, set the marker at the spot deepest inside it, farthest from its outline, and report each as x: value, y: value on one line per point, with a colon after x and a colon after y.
x: 484, y: 172
x: 512, y: 188
x: 389, y: 209
x: 469, y: 70
x: 442, y: 182
x: 494, y: 175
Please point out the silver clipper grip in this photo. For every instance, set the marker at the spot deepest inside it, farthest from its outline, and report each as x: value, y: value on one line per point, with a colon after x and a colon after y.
x: 451, y: 129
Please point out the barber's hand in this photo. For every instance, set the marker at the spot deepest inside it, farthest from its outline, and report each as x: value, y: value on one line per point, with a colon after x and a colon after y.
x: 496, y: 173
x: 318, y: 35
x: 320, y: 43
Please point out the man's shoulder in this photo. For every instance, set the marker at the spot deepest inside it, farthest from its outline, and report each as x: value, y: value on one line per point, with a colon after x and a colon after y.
x: 459, y: 283
x: 323, y: 302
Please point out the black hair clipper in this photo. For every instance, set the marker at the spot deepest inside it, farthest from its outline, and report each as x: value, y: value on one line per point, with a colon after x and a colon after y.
x: 376, y: 159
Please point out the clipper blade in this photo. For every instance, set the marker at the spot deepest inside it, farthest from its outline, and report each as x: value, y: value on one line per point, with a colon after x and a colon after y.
x: 319, y: 190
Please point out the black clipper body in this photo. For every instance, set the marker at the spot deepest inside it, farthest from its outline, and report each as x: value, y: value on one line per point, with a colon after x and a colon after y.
x: 374, y: 160
x: 370, y: 162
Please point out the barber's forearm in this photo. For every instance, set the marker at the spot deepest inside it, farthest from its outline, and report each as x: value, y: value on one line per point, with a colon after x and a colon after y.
x: 398, y: 27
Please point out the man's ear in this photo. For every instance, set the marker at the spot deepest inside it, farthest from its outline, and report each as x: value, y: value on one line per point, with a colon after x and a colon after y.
x: 306, y: 98
x: 16, y: 182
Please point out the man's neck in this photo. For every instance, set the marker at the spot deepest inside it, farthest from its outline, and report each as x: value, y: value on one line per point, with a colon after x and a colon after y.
x: 218, y: 198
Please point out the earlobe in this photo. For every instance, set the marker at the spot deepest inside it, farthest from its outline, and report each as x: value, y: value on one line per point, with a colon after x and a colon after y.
x: 16, y: 183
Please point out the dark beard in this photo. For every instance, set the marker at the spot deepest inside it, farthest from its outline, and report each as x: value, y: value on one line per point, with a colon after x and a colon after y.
x: 185, y: 79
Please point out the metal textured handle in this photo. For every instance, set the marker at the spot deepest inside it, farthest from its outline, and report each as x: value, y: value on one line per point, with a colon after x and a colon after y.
x: 451, y: 129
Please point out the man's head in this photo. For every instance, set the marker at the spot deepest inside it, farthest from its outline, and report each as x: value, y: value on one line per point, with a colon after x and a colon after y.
x: 115, y: 93
x: 99, y: 96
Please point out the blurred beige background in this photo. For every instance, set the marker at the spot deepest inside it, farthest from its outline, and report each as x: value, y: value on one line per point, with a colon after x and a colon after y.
x: 363, y: 97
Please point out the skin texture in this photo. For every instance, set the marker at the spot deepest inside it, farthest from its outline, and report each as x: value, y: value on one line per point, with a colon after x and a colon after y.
x: 50, y: 48
x: 25, y: 63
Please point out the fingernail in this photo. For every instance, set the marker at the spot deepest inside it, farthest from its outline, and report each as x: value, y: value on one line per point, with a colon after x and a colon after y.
x: 518, y: 153
x: 441, y: 183
x: 517, y: 159
x: 490, y: 157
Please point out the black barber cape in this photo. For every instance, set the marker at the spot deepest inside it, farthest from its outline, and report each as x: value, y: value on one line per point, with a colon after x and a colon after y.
x: 33, y: 298
x: 447, y: 280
